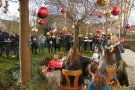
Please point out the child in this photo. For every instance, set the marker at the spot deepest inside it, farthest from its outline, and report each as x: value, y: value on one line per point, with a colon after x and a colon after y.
x: 98, y: 82
x: 97, y: 55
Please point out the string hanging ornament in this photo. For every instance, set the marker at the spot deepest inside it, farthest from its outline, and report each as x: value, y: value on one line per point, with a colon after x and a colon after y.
x: 100, y: 15
x: 115, y: 10
x: 107, y: 13
x: 41, y: 21
x: 128, y: 6
x: 42, y: 12
x: 102, y: 2
x: 62, y: 10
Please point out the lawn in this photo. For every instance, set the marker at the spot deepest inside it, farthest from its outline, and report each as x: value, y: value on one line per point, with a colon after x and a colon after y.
x: 7, y: 63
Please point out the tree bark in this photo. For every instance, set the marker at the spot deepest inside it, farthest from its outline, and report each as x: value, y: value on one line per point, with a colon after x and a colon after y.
x: 0, y: 3
x: 76, y: 36
x: 24, y: 54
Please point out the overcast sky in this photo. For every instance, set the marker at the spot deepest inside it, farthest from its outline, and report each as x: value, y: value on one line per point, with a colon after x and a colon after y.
x: 13, y: 12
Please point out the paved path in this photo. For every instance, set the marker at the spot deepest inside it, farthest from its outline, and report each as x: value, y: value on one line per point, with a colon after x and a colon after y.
x: 129, y: 57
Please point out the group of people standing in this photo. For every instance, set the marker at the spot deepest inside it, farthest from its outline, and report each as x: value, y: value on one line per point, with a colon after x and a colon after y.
x: 91, y: 40
x: 9, y: 42
x: 53, y: 43
x: 42, y: 41
x: 106, y: 53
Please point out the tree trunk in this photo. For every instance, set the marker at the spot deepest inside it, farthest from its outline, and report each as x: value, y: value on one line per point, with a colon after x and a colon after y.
x: 0, y: 3
x: 76, y: 36
x: 24, y: 55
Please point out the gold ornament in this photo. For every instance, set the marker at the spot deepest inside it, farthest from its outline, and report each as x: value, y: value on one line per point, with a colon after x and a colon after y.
x: 126, y: 0
x: 65, y: 29
x: 107, y: 13
x: 118, y: 27
x: 102, y: 2
x: 48, y: 33
x: 35, y: 29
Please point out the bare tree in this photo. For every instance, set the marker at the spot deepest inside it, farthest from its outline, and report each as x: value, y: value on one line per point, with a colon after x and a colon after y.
x: 126, y: 7
x: 78, y: 11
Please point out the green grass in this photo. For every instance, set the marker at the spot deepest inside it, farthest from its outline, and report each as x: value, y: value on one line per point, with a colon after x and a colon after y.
x: 7, y: 63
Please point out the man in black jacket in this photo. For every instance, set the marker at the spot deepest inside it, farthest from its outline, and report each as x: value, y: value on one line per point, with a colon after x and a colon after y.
x: 0, y: 43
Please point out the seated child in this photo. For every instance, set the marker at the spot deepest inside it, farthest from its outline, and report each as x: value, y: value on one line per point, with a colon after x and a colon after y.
x: 98, y: 82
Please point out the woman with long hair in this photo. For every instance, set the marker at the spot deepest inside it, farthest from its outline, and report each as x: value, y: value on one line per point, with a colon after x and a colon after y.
x: 108, y: 60
x: 74, y: 61
x: 99, y: 73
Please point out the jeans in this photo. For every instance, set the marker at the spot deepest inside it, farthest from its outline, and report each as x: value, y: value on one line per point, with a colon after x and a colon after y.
x: 92, y: 87
x: 50, y: 46
x: 41, y: 47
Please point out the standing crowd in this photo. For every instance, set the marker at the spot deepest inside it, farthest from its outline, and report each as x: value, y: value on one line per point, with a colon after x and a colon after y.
x: 9, y: 42
x: 53, y: 43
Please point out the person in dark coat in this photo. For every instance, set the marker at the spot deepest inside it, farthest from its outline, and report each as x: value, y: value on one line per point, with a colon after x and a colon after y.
x: 74, y: 61
x: 85, y: 41
x: 17, y: 46
x: 105, y: 41
x: 68, y: 41
x: 5, y: 37
x: 57, y: 43
x: 95, y: 42
x: 12, y: 38
x: 33, y: 40
x: 0, y: 42
x: 50, y: 41
x: 91, y: 42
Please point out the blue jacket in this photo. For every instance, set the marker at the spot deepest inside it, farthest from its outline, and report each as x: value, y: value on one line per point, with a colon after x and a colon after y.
x: 5, y: 36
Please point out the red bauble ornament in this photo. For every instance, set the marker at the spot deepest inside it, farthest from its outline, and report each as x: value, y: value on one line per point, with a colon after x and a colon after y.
x: 62, y: 10
x: 42, y: 12
x: 98, y: 31
x: 115, y: 10
x: 62, y: 32
x: 127, y: 26
x: 41, y: 22
x: 109, y: 37
x: 97, y: 36
x: 100, y: 15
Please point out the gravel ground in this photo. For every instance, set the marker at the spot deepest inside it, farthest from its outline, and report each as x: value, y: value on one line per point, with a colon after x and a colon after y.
x: 129, y: 57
